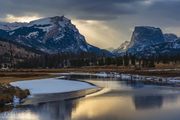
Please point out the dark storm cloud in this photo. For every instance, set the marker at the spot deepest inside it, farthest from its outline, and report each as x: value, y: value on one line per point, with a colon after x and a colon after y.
x: 82, y: 9
x: 165, y: 9
x: 119, y: 16
x: 92, y: 9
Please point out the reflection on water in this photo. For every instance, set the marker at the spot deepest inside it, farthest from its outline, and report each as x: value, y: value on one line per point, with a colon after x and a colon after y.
x: 118, y: 101
x: 147, y: 102
x: 61, y: 110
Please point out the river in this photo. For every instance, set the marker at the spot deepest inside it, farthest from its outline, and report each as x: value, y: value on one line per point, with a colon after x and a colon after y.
x: 118, y: 100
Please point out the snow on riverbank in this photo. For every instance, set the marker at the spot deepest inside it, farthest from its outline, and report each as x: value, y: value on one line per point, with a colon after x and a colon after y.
x: 100, y: 74
x: 52, y: 85
x: 167, y: 80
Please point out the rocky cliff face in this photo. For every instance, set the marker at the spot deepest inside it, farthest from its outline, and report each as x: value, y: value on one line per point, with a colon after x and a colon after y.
x: 50, y: 35
x: 150, y: 41
x: 143, y: 36
x: 170, y: 37
x: 122, y: 48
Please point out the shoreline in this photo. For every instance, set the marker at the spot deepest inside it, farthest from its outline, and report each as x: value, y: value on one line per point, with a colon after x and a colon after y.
x: 42, y: 98
x: 12, y: 95
x: 133, y: 78
x: 59, y: 96
x: 37, y: 97
x: 39, y: 73
x: 81, y: 93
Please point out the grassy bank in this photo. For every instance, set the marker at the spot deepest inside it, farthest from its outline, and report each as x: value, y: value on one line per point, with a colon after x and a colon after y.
x: 11, y: 76
x: 7, y: 92
x: 29, y: 74
x: 33, y: 73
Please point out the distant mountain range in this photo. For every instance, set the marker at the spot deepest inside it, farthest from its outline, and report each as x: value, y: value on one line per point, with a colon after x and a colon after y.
x: 49, y: 35
x: 150, y: 41
x: 58, y: 35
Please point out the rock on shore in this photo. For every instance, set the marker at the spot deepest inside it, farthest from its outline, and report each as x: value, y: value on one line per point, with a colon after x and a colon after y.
x: 7, y: 93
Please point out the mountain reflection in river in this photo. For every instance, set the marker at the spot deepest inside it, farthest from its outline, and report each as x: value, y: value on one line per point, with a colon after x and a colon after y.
x: 117, y: 101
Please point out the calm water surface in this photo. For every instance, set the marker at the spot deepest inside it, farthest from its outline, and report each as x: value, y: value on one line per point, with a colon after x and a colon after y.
x: 117, y: 101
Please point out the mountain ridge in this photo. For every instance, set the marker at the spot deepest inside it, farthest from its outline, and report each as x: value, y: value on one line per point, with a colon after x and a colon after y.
x: 50, y: 35
x: 149, y: 41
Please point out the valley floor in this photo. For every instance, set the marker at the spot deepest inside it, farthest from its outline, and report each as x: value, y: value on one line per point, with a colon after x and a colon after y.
x: 164, y: 76
x: 28, y: 74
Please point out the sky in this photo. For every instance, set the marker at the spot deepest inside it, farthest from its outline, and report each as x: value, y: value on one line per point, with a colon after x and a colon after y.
x: 104, y: 23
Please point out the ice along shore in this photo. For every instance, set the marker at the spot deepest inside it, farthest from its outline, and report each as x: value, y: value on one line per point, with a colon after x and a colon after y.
x: 54, y: 89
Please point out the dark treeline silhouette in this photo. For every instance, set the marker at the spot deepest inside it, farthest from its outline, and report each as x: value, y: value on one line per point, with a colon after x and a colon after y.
x: 9, y: 60
x: 90, y: 59
x: 59, y: 61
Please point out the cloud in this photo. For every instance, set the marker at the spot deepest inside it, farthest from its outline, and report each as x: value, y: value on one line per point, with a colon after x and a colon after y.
x: 80, y: 9
x: 166, y: 9
x: 12, y: 18
x: 119, y: 17
x: 99, y: 33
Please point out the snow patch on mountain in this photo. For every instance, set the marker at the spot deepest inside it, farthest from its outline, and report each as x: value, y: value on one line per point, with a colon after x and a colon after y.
x: 170, y: 37
x: 122, y: 48
x: 11, y: 26
x: 51, y: 35
x: 33, y: 34
x: 43, y: 21
x: 150, y: 41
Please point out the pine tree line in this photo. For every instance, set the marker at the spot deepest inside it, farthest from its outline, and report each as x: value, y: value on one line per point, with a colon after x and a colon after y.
x: 90, y: 59
x: 40, y: 60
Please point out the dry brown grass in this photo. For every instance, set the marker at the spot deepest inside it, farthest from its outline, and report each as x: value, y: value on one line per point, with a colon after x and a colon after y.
x: 7, y: 77
x: 27, y: 74
x: 167, y: 66
x: 7, y: 92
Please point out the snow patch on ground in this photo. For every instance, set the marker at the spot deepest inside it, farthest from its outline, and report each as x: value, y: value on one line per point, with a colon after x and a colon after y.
x: 170, y: 80
x: 52, y: 85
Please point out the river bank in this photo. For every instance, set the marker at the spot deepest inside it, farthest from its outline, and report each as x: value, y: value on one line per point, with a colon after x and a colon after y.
x: 35, y: 73
x: 118, y: 100
x: 9, y: 92
x: 147, y: 76
x: 28, y: 92
x: 131, y: 78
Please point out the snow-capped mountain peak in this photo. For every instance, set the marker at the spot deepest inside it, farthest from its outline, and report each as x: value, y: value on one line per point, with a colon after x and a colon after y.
x: 51, y: 35
x: 150, y: 41
x: 123, y: 47
x: 146, y: 35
